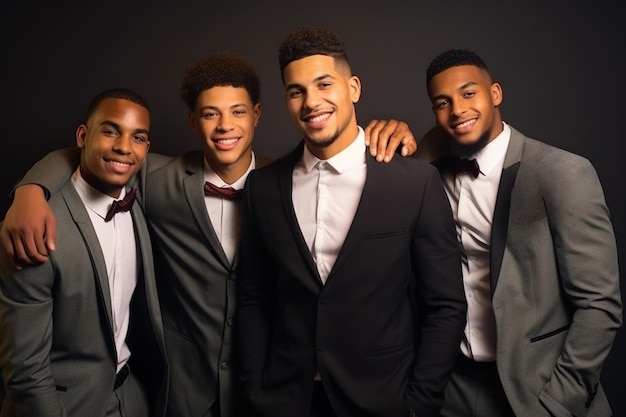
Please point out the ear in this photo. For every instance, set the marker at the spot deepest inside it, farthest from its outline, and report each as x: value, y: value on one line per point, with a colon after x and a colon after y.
x: 496, y: 94
x: 354, y: 83
x: 81, y: 135
x: 257, y: 114
x: 191, y: 116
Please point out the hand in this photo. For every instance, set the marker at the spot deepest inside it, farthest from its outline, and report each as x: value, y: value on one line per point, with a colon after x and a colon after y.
x: 29, y: 228
x: 384, y: 136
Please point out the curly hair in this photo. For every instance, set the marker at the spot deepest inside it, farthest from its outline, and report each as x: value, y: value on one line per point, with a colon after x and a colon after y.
x: 219, y: 69
x: 453, y: 58
x: 310, y: 40
x: 123, y: 93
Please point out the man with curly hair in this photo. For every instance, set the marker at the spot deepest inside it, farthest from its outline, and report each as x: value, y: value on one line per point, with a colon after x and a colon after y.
x: 351, y: 297
x: 195, y: 227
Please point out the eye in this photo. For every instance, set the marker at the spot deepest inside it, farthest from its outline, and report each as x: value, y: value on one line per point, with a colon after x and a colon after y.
x: 239, y: 112
x: 209, y: 114
x: 440, y: 104
x: 139, y: 138
x: 469, y: 94
x: 109, y: 131
x: 294, y: 93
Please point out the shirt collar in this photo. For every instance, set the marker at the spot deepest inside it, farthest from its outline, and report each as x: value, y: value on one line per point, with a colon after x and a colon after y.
x: 489, y: 157
x: 213, y: 178
x: 342, y: 161
x: 93, y: 199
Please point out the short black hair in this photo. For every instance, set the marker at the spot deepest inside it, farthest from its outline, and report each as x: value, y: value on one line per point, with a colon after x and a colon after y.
x: 310, y: 40
x: 453, y: 58
x: 123, y: 93
x: 224, y: 69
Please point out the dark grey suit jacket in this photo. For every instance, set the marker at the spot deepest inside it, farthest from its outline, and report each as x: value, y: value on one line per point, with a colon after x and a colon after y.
x: 555, y: 281
x: 384, y: 330
x: 57, y: 351
x: 196, y: 283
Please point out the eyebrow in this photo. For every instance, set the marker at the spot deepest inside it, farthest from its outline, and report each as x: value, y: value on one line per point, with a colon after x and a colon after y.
x: 315, y: 80
x: 117, y: 127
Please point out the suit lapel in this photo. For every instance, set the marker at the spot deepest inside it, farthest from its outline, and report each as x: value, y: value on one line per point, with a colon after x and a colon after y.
x: 285, y: 178
x: 83, y: 222
x: 503, y: 204
x: 194, y: 192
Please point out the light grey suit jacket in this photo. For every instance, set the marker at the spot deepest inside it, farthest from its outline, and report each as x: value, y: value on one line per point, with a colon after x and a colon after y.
x: 57, y: 349
x: 196, y: 282
x: 554, y: 280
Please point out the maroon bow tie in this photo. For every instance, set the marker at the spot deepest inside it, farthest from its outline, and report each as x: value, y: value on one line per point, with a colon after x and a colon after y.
x: 224, y: 192
x: 121, y: 205
x: 458, y: 165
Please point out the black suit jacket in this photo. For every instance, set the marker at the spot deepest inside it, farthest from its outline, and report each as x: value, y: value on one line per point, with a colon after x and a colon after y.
x: 384, y: 330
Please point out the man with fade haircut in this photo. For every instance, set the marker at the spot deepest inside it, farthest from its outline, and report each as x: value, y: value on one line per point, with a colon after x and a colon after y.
x: 81, y: 335
x: 539, y: 263
x: 351, y: 297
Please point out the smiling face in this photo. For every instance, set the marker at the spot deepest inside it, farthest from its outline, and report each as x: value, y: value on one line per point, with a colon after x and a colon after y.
x: 224, y: 120
x: 466, y: 105
x: 320, y: 97
x: 114, y: 143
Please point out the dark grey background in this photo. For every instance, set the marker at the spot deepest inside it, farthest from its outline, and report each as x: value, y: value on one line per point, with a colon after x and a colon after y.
x: 561, y: 68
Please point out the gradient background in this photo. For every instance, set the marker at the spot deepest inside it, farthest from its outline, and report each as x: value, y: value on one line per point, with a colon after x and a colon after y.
x: 561, y: 68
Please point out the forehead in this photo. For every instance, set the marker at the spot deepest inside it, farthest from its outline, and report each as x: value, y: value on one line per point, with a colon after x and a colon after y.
x: 122, y: 111
x: 219, y: 96
x: 310, y: 68
x: 459, y: 76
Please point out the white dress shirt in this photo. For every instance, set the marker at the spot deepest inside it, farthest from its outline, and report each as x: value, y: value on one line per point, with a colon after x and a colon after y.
x: 326, y: 194
x: 225, y: 214
x: 473, y: 202
x: 119, y: 247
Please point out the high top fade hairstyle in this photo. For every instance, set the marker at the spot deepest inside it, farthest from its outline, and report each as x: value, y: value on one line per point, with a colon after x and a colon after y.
x: 219, y: 69
x: 453, y: 58
x: 308, y: 41
x: 121, y: 93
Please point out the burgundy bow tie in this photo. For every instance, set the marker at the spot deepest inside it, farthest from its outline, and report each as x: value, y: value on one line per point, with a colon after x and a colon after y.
x: 121, y: 205
x: 224, y: 192
x: 458, y: 165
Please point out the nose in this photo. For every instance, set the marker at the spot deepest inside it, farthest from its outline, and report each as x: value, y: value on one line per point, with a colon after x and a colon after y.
x: 122, y: 144
x: 312, y: 99
x: 226, y: 122
x: 458, y: 107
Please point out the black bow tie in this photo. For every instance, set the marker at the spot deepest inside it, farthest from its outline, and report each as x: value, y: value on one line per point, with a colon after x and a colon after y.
x: 458, y: 165
x: 224, y: 192
x: 121, y: 205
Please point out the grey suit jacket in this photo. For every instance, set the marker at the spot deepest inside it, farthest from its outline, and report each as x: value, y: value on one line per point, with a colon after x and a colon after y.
x: 555, y: 281
x: 197, y: 289
x: 196, y: 283
x: 57, y: 349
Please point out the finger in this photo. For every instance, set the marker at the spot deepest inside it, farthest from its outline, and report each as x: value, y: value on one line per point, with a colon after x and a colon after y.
x: 388, y: 140
x: 51, y: 233
x: 371, y: 125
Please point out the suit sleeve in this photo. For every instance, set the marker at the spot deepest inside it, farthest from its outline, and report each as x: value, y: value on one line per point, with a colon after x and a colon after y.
x: 254, y: 306
x: 586, y: 253
x: 440, y: 298
x: 52, y: 171
x: 26, y: 329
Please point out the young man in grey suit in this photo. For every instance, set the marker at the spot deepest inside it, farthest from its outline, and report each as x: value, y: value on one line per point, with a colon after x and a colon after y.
x: 195, y: 233
x: 539, y: 257
x: 350, y: 290
x: 81, y: 335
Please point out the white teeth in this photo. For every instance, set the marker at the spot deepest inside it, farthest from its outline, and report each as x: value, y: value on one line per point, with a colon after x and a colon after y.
x: 320, y: 118
x: 121, y: 164
x: 465, y: 124
x: 226, y: 141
